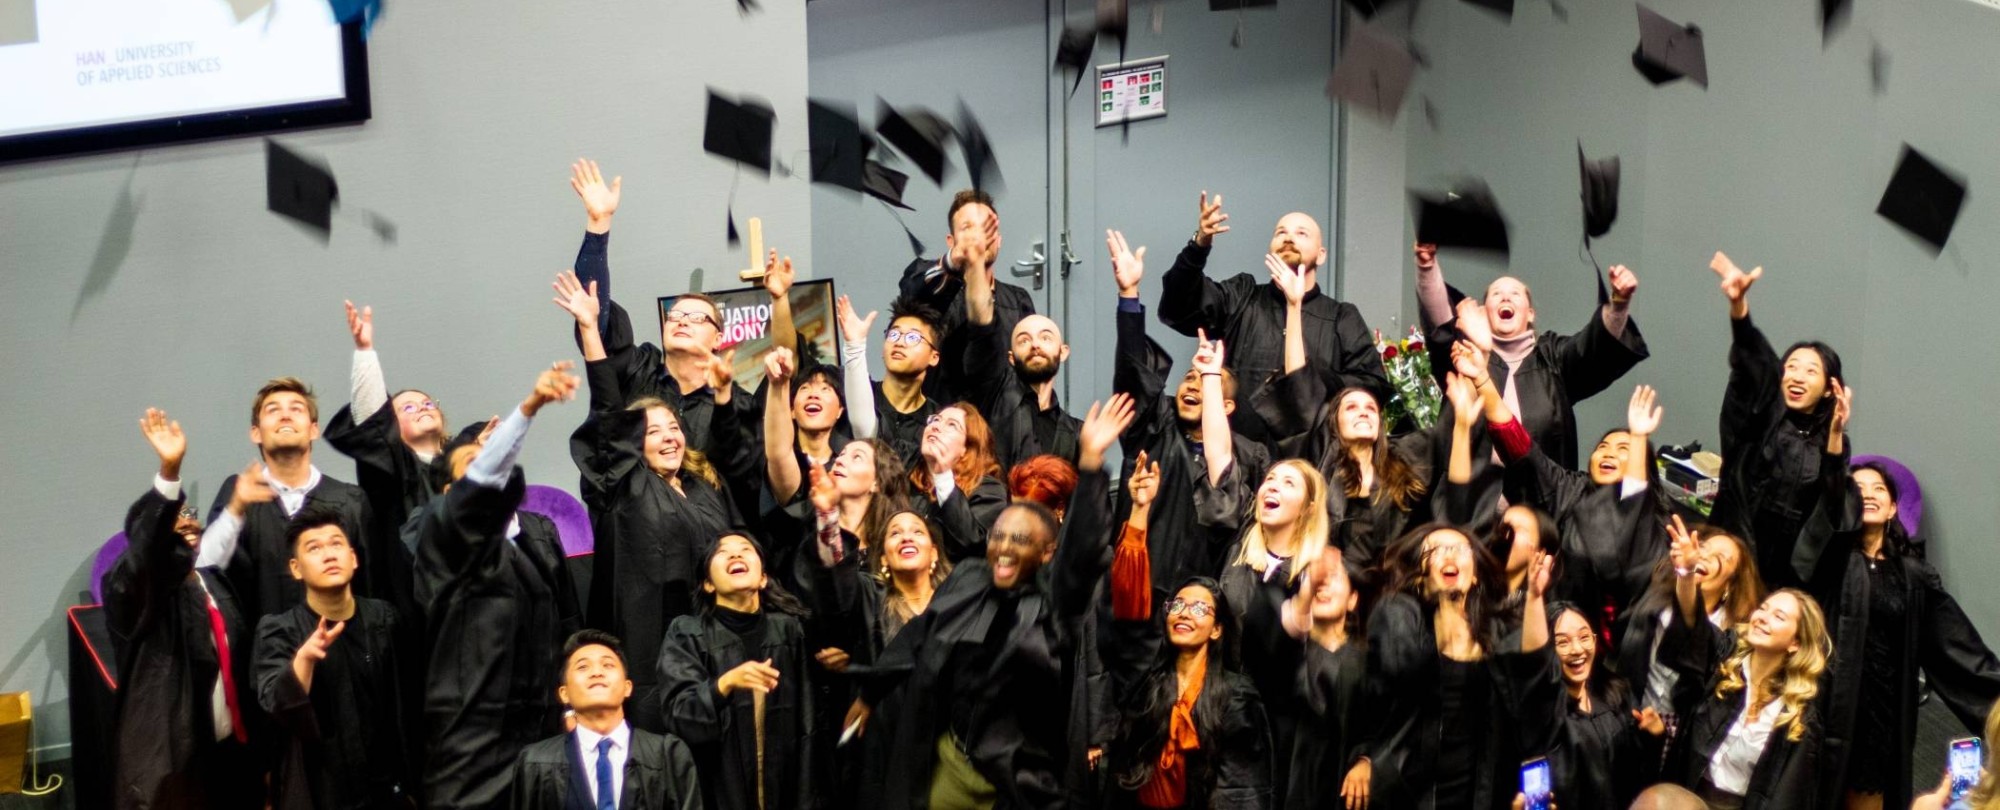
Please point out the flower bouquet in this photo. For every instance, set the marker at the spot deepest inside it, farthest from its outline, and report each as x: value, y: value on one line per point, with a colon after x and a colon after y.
x: 1414, y: 399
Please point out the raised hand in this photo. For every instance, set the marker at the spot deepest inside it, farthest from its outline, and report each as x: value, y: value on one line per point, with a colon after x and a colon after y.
x: 1470, y: 362
x: 1290, y: 281
x: 853, y: 329
x: 1540, y: 571
x: 167, y: 440
x: 307, y: 659
x: 1843, y: 405
x: 778, y: 274
x: 486, y: 431
x: 756, y: 676
x: 600, y: 201
x: 251, y: 488
x: 1642, y: 417
x: 555, y: 384
x: 1474, y: 325
x: 1463, y: 394
x: 361, y: 324
x: 1684, y: 549
x: 722, y: 374
x: 778, y: 365
x: 1427, y: 255
x: 1212, y: 221
x: 1735, y: 283
x: 1624, y: 283
x: 1127, y: 266
x: 576, y: 299
x: 824, y: 493
x: 1208, y: 354
x: 1101, y: 428
x: 1144, y: 484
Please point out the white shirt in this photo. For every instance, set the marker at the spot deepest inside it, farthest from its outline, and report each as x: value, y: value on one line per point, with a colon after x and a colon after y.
x: 218, y: 542
x: 1736, y: 757
x: 621, y: 746
x: 1660, y: 678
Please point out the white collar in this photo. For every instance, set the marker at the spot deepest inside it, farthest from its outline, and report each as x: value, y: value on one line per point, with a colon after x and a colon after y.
x: 621, y: 738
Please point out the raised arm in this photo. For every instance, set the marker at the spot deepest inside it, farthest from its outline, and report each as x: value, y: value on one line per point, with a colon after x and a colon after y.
x: 1433, y: 297
x: 1464, y: 396
x: 1189, y: 300
x: 1642, y: 417
x: 1735, y: 284
x: 1685, y: 555
x: 1218, y: 447
x: 159, y: 555
x: 856, y: 384
x: 1080, y: 561
x: 1132, y: 561
x: 582, y: 304
x: 370, y: 391
x: 1292, y: 283
x: 1534, y: 609
x: 778, y: 276
x: 600, y: 202
x: 1139, y: 367
x: 781, y: 461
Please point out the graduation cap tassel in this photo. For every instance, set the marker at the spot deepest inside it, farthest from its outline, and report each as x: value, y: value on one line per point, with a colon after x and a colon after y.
x: 729, y: 210
x: 1236, y: 37
x: 916, y: 245
x: 1603, y: 292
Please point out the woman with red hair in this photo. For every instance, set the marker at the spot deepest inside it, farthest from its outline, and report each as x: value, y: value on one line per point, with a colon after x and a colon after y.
x: 1045, y: 479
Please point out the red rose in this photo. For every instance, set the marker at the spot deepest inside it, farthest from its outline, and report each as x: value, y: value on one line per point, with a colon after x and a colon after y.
x: 1388, y: 352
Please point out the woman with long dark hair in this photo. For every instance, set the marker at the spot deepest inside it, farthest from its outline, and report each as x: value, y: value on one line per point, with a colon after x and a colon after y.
x: 1891, y: 618
x: 1751, y: 738
x: 1777, y: 414
x: 1609, y: 748
x: 1330, y: 769
x: 736, y: 685
x: 1460, y: 710
x: 959, y: 485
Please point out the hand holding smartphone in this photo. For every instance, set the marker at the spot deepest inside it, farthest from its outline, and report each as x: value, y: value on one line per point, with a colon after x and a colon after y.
x: 1537, y: 785
x: 1965, y: 759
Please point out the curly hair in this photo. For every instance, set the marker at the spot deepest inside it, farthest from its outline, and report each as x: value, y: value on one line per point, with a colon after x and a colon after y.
x: 693, y: 462
x: 1797, y: 682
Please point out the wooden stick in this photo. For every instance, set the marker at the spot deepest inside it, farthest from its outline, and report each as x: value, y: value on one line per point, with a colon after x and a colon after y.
x: 755, y: 273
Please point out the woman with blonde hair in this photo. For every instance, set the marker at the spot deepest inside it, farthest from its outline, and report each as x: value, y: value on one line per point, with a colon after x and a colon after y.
x: 1752, y: 739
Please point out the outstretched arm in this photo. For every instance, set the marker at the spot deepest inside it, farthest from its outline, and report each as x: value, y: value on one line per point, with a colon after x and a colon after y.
x: 778, y: 276
x: 581, y: 303
x: 781, y: 461
x: 600, y: 201
x: 855, y: 382
x: 1189, y: 300
x: 370, y: 391
x: 1218, y: 448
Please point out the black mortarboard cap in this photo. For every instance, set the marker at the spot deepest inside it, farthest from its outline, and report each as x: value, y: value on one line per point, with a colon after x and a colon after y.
x: 1073, y: 49
x: 836, y: 150
x: 1600, y: 192
x: 980, y: 162
x: 1504, y: 7
x: 885, y: 184
x: 1374, y: 72
x: 739, y: 131
x: 1466, y: 218
x: 916, y: 132
x: 1832, y: 17
x: 1923, y: 198
x: 299, y: 188
x: 1669, y: 50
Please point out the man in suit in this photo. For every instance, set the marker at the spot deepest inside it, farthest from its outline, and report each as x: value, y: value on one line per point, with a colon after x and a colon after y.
x: 604, y: 763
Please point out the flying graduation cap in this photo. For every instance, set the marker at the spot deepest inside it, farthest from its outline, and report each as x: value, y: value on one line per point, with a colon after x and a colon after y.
x: 836, y: 151
x: 1374, y: 72
x: 739, y: 130
x: 1600, y: 206
x: 980, y: 162
x: 1833, y: 16
x: 1668, y: 50
x: 916, y: 132
x: 1923, y: 198
x: 299, y: 188
x: 1467, y: 217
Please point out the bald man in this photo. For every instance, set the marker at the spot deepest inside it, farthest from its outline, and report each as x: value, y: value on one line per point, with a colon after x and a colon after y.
x: 1018, y: 398
x: 1248, y: 313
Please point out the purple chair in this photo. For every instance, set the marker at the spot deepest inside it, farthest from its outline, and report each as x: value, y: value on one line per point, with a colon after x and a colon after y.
x: 107, y: 556
x: 1909, y: 494
x: 571, y: 519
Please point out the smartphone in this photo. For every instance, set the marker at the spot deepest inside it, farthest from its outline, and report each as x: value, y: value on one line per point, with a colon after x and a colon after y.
x: 1965, y: 758
x: 1537, y: 785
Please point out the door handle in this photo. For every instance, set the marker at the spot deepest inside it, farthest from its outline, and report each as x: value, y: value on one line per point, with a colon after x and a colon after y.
x: 1036, y: 265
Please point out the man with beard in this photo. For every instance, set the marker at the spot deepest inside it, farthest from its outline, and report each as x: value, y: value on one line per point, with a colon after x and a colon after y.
x: 1021, y: 405
x: 1249, y: 316
x: 1541, y: 376
x: 246, y: 525
x: 910, y: 354
x: 974, y: 241
x: 1167, y: 430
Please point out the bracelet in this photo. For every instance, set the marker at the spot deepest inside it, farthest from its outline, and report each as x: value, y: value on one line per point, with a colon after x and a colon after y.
x: 1211, y: 374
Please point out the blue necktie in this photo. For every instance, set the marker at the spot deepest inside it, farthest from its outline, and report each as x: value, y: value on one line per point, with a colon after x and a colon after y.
x: 606, y: 800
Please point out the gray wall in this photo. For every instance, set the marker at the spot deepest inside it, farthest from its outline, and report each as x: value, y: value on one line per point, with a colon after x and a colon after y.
x: 1780, y: 163
x: 187, y: 295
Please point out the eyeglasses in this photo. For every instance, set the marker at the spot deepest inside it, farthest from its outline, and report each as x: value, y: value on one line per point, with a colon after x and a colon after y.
x: 1199, y: 610
x: 694, y: 318
x: 419, y: 407
x: 909, y: 337
x: 938, y: 419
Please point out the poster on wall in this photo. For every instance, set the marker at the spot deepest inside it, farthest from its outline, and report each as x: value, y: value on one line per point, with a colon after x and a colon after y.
x: 746, y: 326
x: 1131, y: 91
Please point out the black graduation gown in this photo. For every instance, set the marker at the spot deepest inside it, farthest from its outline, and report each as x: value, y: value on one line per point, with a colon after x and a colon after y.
x: 1334, y: 722
x: 260, y: 565
x: 1404, y: 670
x: 1610, y: 544
x: 1249, y: 316
x: 1787, y: 776
x: 395, y: 480
x: 1561, y: 371
x: 903, y: 432
x: 1298, y: 411
x: 1009, y: 404
x: 346, y: 744
x: 1177, y: 545
x: 659, y: 775
x: 1026, y: 755
x: 945, y: 294
x: 644, y: 572
x: 1770, y: 457
x: 965, y: 518
x: 498, y: 612
x: 1602, y: 759
x: 164, y: 753
x: 721, y: 731
x: 1935, y: 635
x: 1232, y: 768
x: 1271, y: 658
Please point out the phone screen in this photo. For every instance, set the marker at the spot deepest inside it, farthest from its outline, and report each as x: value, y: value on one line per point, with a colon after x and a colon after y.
x: 1536, y: 783
x: 1966, y: 756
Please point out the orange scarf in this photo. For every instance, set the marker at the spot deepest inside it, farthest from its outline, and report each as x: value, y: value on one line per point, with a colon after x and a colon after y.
x: 1168, y: 787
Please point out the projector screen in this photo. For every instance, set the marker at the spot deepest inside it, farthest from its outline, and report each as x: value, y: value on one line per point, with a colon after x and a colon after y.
x: 89, y: 75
